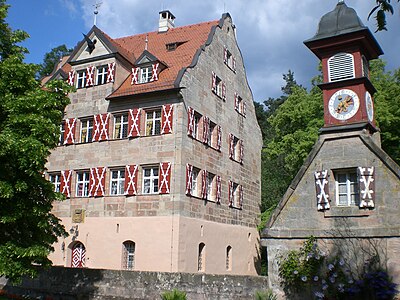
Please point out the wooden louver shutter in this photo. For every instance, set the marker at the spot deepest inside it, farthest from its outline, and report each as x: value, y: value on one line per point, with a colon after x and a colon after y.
x: 164, y: 178
x: 218, y: 189
x: 134, y: 122
x: 204, y: 176
x: 223, y: 95
x: 69, y: 133
x: 230, y: 193
x: 241, y: 151
x: 322, y: 190
x: 191, y: 121
x: 71, y: 78
x: 65, y: 184
x: 110, y: 72
x: 214, y: 82
x: 366, y: 177
x: 97, y: 182
x: 231, y: 146
x: 100, y: 132
x: 219, y: 137
x: 166, y: 118
x: 131, y: 180
x: 90, y: 76
x: 189, y: 179
x: 206, y: 129
x: 241, y: 196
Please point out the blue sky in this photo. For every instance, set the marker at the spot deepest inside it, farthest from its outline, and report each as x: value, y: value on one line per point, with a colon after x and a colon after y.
x: 270, y: 32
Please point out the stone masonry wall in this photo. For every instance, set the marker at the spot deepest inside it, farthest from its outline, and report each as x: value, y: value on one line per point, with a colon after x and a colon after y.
x: 66, y: 284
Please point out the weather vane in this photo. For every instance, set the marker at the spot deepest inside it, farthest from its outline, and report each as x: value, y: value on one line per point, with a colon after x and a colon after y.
x: 96, y: 11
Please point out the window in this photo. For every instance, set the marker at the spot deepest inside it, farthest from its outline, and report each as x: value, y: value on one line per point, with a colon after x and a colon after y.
x: 229, y: 60
x: 347, y: 188
x: 341, y: 67
x: 117, y: 182
x: 228, y: 260
x: 128, y: 255
x: 153, y: 122
x: 235, y: 195
x: 239, y: 104
x: 121, y: 126
x: 195, y: 182
x: 150, y: 180
x: 86, y: 130
x: 101, y: 75
x: 82, y: 183
x: 201, y: 258
x: 55, y: 179
x: 62, y: 132
x: 80, y: 79
x: 196, y: 126
x: 210, y: 186
x: 212, y: 134
x: 219, y: 87
x: 145, y: 74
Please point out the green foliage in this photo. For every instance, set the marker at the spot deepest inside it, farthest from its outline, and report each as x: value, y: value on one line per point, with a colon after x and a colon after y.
x: 265, y: 295
x: 173, y: 295
x: 29, y: 128
x: 51, y: 59
x: 381, y: 9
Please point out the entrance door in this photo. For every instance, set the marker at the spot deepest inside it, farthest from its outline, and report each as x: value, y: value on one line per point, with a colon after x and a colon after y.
x: 78, y: 255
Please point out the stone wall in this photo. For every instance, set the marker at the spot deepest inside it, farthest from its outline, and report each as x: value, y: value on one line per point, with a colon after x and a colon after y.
x: 68, y: 283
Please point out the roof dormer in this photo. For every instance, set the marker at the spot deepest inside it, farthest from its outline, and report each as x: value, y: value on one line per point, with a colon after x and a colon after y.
x: 147, y: 69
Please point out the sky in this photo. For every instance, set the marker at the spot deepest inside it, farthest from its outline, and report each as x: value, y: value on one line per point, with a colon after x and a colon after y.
x: 270, y: 33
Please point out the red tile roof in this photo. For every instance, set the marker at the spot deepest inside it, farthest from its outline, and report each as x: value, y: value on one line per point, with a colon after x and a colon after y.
x: 191, y: 37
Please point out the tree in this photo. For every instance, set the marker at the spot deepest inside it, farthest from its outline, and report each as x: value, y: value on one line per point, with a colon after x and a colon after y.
x: 29, y: 128
x: 381, y: 8
x: 51, y: 59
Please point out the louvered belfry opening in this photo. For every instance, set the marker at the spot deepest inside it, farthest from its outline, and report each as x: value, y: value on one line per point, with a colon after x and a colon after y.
x: 341, y: 67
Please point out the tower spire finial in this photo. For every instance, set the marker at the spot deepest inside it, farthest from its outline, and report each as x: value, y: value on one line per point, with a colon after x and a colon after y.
x: 96, y: 11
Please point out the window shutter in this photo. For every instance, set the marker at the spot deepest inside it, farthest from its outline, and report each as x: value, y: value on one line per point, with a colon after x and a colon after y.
x: 111, y: 72
x: 191, y: 124
x: 322, y: 190
x: 225, y: 55
x: 189, y: 182
x: 134, y: 122
x: 100, y: 132
x: 366, y: 177
x: 218, y: 191
x: 219, y: 137
x: 223, y: 91
x: 164, y: 178
x: 154, y: 72
x: 97, y: 182
x: 230, y: 193
x: 69, y: 133
x: 204, y: 176
x: 234, y: 64
x: 166, y: 119
x: 236, y: 101
x: 214, y: 83
x: 231, y: 146
x: 131, y: 180
x: 135, y: 74
x: 65, y: 184
x: 241, y: 196
x: 241, y: 151
x: 341, y: 66
x: 244, y: 108
x: 90, y: 76
x: 206, y: 129
x: 71, y: 78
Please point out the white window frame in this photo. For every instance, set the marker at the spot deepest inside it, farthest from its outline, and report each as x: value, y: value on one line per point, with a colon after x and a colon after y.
x: 212, y: 135
x: 62, y: 131
x: 101, y: 77
x: 55, y: 179
x: 218, y: 86
x: 83, y: 178
x: 153, y: 122
x: 196, y: 126
x: 145, y: 74
x: 117, y: 184
x: 128, y: 258
x: 152, y: 178
x: 235, y: 195
x: 123, y: 123
x: 86, y: 124
x: 348, y: 188
x: 211, y: 189
x: 80, y: 79
x: 196, y: 181
x: 236, y: 150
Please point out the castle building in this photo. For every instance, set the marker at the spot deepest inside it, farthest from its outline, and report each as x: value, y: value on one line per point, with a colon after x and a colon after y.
x: 348, y: 188
x: 159, y: 157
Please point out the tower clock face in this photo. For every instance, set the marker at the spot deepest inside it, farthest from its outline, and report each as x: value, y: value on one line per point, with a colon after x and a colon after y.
x: 370, y: 106
x: 343, y: 104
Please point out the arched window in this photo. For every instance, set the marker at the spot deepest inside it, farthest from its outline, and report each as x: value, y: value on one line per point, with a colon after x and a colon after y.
x: 201, y: 258
x: 78, y: 255
x: 341, y: 67
x: 128, y: 255
x: 228, y: 258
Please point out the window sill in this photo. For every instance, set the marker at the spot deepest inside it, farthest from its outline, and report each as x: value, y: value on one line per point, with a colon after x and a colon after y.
x: 348, y: 211
x: 238, y: 161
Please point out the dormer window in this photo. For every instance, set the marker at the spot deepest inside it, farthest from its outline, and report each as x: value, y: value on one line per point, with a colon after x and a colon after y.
x: 80, y: 79
x: 341, y: 67
x: 101, y: 75
x: 145, y: 74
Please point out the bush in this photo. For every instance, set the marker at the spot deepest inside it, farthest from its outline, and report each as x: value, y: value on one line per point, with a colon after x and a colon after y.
x: 265, y: 295
x: 173, y: 295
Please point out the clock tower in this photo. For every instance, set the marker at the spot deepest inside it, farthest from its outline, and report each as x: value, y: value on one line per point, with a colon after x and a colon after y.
x: 345, y: 46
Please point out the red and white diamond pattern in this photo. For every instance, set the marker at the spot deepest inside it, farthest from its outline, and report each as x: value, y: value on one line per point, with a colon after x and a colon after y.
x: 111, y: 72
x: 78, y: 256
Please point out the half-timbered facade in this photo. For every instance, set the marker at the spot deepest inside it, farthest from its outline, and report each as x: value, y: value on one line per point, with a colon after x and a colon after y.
x: 348, y: 189
x: 159, y: 156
